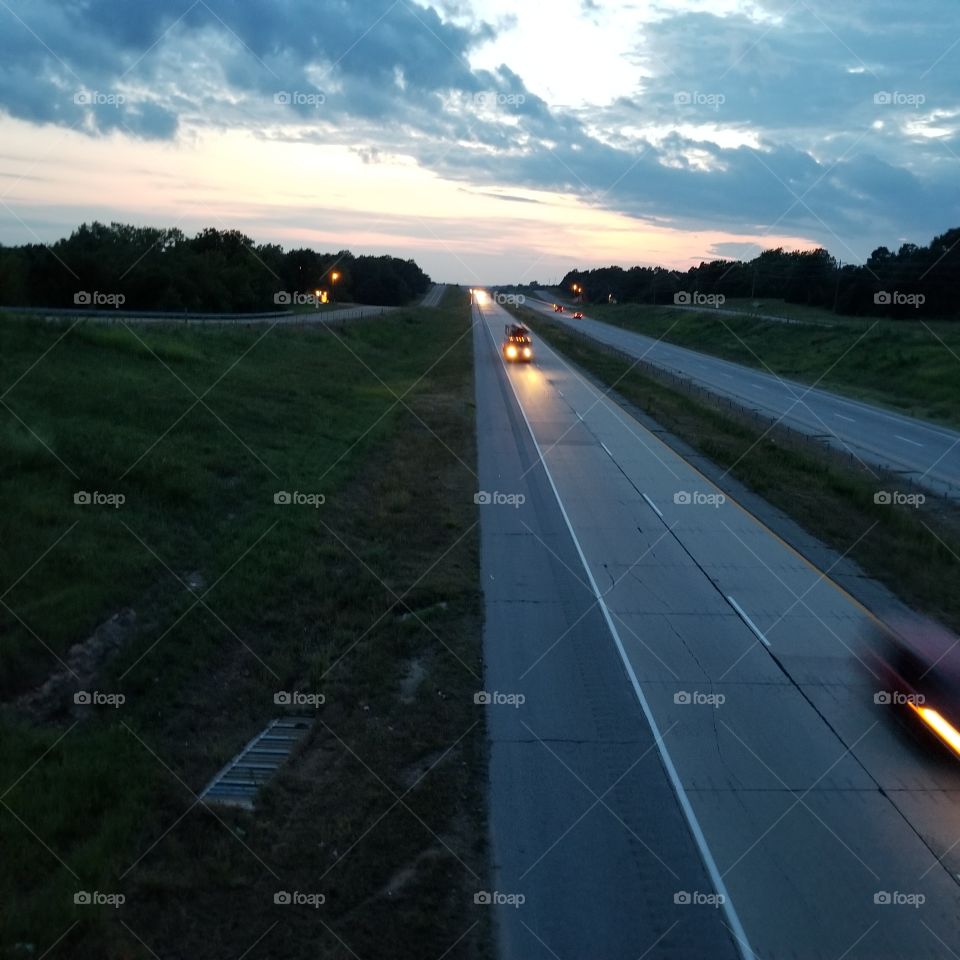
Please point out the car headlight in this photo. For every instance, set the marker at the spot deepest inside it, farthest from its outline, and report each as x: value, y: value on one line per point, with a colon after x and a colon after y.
x: 527, y: 352
x: 511, y: 352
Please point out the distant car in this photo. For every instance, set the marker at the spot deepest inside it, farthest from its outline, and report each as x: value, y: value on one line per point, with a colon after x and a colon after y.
x: 517, y: 344
x: 578, y: 316
x: 919, y: 666
x: 557, y: 308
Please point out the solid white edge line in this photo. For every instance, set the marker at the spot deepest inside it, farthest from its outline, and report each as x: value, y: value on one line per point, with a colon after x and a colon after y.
x: 606, y: 450
x: 652, y: 504
x: 756, y: 631
x: 736, y: 928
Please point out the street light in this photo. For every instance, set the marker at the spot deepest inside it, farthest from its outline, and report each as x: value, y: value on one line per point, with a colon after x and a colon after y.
x: 334, y: 277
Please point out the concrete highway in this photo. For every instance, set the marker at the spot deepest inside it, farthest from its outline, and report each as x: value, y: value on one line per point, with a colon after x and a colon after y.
x: 686, y: 756
x: 930, y: 454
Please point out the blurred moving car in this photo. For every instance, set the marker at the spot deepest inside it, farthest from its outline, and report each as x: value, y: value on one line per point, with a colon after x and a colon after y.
x: 557, y: 308
x: 919, y: 664
x: 517, y: 344
x: 578, y: 316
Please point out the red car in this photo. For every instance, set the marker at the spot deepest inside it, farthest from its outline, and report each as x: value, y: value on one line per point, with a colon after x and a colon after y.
x: 578, y: 316
x: 557, y: 308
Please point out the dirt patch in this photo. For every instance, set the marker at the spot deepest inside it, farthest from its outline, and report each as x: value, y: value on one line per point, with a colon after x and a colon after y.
x: 78, y: 672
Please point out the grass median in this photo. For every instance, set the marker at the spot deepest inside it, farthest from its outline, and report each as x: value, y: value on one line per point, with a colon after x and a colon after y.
x: 914, y: 551
x: 199, y: 597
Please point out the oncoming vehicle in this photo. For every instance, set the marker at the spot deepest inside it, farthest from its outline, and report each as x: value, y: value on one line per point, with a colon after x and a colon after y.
x: 517, y: 345
x: 919, y: 667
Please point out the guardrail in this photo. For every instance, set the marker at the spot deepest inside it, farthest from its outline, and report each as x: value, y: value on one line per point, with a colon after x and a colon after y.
x: 156, y: 316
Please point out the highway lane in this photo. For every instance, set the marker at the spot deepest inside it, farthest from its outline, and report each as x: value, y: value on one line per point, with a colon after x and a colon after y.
x: 434, y: 295
x: 585, y: 826
x: 815, y: 805
x: 930, y: 454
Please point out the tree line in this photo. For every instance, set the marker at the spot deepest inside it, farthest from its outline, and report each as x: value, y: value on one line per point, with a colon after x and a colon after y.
x: 217, y: 271
x: 915, y: 282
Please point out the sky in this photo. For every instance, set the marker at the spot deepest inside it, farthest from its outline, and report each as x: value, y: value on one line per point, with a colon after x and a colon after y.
x: 491, y: 140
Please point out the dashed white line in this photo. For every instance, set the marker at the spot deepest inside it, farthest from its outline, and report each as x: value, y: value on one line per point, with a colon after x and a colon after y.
x: 652, y: 504
x: 908, y: 440
x: 753, y: 627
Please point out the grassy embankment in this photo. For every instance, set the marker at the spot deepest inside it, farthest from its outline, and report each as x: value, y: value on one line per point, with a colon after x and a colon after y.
x: 371, y: 599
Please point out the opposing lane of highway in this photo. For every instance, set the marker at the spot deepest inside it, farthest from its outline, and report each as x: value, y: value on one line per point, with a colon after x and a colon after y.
x: 930, y: 454
x: 814, y: 805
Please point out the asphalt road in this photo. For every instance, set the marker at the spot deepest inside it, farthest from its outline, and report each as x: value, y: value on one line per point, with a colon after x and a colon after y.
x: 434, y: 295
x: 930, y: 454
x: 698, y: 720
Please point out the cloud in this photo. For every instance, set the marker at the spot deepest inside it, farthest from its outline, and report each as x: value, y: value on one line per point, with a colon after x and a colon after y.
x: 820, y: 119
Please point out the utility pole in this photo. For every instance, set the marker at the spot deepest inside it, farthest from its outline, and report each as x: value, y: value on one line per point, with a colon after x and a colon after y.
x: 836, y: 292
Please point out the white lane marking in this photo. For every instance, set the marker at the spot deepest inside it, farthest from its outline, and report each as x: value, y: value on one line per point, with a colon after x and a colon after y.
x: 840, y: 416
x: 606, y: 450
x: 736, y: 928
x: 756, y: 632
x: 908, y: 440
x: 652, y: 504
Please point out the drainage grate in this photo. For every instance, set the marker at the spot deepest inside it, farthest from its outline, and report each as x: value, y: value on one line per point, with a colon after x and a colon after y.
x: 238, y: 782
